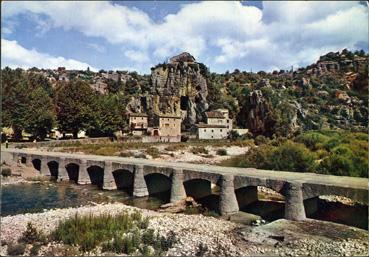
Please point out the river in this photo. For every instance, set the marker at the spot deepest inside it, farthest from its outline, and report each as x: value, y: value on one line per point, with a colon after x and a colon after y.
x: 36, y: 197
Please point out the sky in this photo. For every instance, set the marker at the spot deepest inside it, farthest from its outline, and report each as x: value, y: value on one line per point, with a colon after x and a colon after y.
x: 137, y: 35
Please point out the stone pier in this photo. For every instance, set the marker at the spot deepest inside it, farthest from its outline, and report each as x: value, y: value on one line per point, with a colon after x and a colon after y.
x: 62, y: 173
x: 294, y: 206
x: 228, y: 201
x: 139, y: 184
x: 177, y: 192
x: 44, y: 168
x: 83, y: 177
x: 109, y: 182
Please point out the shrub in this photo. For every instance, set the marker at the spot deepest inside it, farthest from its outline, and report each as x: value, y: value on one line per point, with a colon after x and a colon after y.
x: 292, y: 157
x: 124, y: 233
x: 126, y: 154
x: 6, y: 172
x: 153, y: 151
x: 222, y: 152
x: 16, y: 249
x: 174, y: 147
x: 35, y: 249
x: 201, y: 250
x: 199, y: 150
x: 32, y: 235
x: 312, y: 140
x: 233, y: 135
x: 260, y: 140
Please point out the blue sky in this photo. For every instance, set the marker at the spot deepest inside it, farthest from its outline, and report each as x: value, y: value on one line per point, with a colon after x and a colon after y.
x: 130, y: 35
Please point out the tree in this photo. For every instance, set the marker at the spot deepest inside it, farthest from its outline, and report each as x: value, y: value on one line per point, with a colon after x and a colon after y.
x: 108, y: 116
x: 41, y: 114
x: 15, y: 100
x: 75, y: 106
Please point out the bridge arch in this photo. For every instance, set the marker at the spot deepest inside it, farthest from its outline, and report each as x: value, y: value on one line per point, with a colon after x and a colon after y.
x: 53, y: 169
x: 96, y: 174
x: 336, y: 208
x: 36, y: 162
x: 261, y: 200
x: 73, y: 171
x: 23, y: 159
x: 124, y: 180
x: 198, y: 188
x: 157, y: 183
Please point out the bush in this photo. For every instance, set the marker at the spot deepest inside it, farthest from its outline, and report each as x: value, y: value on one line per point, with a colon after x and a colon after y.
x: 292, y: 157
x: 32, y: 235
x: 199, y: 150
x: 260, y: 140
x: 126, y: 154
x: 312, y: 140
x: 153, y: 151
x: 124, y: 233
x: 16, y: 249
x: 35, y: 249
x: 222, y: 152
x: 6, y: 172
x: 174, y: 147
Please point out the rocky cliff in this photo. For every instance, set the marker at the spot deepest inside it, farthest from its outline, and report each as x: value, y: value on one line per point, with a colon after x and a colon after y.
x: 178, y: 88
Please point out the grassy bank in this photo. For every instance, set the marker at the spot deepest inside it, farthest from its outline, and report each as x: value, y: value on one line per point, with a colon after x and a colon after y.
x: 119, y: 148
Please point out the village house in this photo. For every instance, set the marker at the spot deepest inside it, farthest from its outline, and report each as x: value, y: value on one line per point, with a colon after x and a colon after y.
x: 166, y: 128
x: 217, y: 126
x: 138, y: 123
x: 100, y: 87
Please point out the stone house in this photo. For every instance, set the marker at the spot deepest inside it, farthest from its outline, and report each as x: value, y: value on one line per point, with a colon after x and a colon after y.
x: 166, y: 128
x: 217, y: 126
x: 138, y: 123
x: 100, y: 87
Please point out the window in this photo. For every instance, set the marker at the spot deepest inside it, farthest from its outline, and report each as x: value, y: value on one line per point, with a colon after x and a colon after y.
x: 212, y: 137
x: 227, y: 121
x: 212, y: 131
x: 204, y: 130
x: 221, y: 130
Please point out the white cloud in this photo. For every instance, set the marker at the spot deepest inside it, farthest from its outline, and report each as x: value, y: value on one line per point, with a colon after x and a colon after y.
x: 97, y: 47
x: 137, y: 56
x: 228, y: 34
x: 14, y: 55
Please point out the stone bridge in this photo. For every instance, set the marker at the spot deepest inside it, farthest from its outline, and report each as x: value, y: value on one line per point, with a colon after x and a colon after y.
x: 237, y: 186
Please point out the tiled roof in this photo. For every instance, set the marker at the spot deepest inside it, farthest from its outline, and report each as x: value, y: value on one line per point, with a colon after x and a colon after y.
x: 210, y: 126
x: 214, y: 114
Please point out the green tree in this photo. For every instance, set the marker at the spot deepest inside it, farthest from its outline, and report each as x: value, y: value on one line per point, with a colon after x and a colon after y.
x: 75, y: 103
x: 41, y: 114
x: 108, y: 116
x: 15, y: 100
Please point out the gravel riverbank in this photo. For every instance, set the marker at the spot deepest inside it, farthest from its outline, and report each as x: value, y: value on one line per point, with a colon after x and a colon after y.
x: 220, y: 237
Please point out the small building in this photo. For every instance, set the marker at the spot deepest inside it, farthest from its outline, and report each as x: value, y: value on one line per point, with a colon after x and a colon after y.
x: 138, y: 123
x: 219, y: 117
x: 100, y: 86
x: 166, y: 128
x: 211, y: 131
x: 217, y: 126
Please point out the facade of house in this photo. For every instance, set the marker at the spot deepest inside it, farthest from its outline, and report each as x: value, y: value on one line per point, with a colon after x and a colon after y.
x: 166, y: 128
x: 138, y: 123
x: 217, y: 126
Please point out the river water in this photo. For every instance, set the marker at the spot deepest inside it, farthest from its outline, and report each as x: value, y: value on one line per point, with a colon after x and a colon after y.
x: 36, y: 197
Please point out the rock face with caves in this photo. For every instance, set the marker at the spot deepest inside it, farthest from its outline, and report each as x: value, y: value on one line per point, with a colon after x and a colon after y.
x: 177, y: 88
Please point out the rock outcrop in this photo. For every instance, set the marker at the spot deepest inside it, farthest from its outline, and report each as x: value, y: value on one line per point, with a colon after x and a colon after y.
x: 179, y: 88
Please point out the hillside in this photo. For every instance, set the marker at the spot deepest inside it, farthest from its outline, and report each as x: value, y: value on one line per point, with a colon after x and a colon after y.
x: 331, y: 93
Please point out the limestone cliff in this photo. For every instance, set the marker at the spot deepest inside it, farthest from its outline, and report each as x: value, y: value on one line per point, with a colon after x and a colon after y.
x: 178, y: 87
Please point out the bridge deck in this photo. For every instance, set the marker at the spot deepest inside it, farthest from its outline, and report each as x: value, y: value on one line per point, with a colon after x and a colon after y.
x: 339, y: 181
